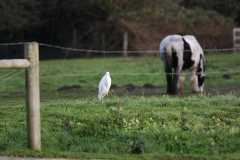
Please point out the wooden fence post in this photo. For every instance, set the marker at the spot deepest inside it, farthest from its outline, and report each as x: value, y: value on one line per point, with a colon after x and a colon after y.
x: 33, y: 96
x: 125, y: 44
x: 236, y: 38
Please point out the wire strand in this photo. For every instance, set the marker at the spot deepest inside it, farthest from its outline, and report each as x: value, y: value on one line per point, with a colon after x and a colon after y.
x: 57, y: 76
x: 104, y: 51
x: 125, y: 74
x: 150, y: 51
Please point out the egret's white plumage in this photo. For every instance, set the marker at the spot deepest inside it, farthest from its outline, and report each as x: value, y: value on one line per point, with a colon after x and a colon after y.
x: 104, y: 86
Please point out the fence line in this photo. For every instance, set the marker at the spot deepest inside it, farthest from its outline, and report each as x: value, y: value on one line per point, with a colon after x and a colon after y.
x: 150, y: 51
x: 125, y: 74
x: 14, y: 44
x: 112, y: 73
x: 102, y: 51
x: 7, y: 74
x: 10, y: 77
x: 2, y: 79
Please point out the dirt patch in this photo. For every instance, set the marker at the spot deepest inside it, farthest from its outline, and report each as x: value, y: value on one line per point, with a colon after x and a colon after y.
x: 146, y: 89
x: 18, y: 93
x: 149, y: 86
x: 113, y: 86
x: 45, y: 83
x: 130, y: 87
x: 67, y: 88
x: 76, y: 91
x: 146, y: 86
x: 82, y: 81
x: 226, y: 76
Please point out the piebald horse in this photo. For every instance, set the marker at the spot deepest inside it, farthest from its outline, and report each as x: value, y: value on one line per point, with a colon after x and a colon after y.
x: 182, y: 53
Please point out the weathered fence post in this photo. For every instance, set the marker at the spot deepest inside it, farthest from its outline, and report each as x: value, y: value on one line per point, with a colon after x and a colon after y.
x: 236, y: 38
x: 33, y: 96
x: 125, y: 44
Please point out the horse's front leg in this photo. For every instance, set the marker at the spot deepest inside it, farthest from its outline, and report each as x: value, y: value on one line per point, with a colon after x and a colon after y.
x: 194, y: 81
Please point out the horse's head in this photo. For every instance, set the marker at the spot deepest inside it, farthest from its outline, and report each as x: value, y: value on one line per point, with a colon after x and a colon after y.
x: 201, y: 73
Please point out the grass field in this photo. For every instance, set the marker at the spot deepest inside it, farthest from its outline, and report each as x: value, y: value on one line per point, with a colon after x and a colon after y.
x: 136, y: 121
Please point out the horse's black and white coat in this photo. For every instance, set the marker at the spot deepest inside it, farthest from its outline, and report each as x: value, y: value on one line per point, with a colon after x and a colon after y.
x: 182, y: 53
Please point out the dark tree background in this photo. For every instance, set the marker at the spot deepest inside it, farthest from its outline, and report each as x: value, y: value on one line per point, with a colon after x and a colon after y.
x: 100, y: 24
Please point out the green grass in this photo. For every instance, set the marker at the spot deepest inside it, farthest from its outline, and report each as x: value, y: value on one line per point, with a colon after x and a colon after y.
x: 197, y: 125
x: 138, y: 124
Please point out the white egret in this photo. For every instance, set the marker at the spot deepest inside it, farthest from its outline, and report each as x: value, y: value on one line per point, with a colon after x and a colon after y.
x: 104, y: 86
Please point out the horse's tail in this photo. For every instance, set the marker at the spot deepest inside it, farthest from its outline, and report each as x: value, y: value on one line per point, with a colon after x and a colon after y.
x: 168, y: 67
x: 169, y: 48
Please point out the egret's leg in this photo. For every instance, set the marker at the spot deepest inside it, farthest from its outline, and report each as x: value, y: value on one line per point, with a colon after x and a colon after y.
x: 107, y: 97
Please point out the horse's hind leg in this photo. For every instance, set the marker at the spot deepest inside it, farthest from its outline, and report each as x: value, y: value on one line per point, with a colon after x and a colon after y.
x: 169, y: 81
x: 178, y: 81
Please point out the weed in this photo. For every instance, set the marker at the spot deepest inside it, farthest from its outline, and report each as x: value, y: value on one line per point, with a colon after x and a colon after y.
x: 139, y: 146
x: 66, y: 123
